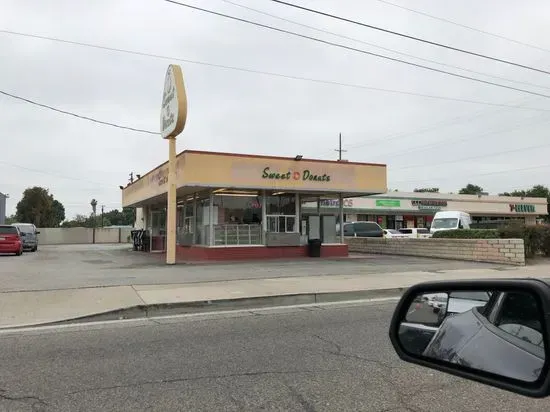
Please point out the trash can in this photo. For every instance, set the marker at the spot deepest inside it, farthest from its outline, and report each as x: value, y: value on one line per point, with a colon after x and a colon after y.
x: 314, y: 247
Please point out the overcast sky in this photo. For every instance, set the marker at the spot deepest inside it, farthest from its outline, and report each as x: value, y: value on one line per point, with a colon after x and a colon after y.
x: 244, y: 112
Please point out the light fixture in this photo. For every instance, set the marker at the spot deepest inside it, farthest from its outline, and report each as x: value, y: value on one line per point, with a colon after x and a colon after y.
x: 121, y: 187
x: 138, y: 176
x: 238, y: 194
x: 278, y: 193
x: 298, y: 157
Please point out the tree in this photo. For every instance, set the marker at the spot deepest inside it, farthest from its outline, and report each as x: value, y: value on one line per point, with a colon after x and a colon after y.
x: 35, y: 206
x: 11, y: 219
x: 39, y: 207
x: 427, y: 190
x: 471, y: 189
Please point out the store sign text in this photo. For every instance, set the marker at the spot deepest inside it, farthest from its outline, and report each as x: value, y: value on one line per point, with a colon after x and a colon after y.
x: 335, y: 203
x: 388, y: 203
x: 522, y: 208
x: 306, y: 175
x: 429, y: 204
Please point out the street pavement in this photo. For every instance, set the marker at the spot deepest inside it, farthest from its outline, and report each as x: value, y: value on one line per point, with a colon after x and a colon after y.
x: 316, y: 358
x: 69, y: 282
x: 77, y: 266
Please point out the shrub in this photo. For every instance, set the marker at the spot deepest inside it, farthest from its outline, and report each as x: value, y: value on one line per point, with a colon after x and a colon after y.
x: 536, y: 238
x: 467, y: 234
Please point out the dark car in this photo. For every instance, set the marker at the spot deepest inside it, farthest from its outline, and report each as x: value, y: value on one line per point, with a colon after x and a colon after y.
x: 363, y: 229
x: 29, y: 236
x: 10, y: 240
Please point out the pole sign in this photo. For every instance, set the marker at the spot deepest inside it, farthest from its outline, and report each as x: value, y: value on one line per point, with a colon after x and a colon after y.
x: 173, y: 112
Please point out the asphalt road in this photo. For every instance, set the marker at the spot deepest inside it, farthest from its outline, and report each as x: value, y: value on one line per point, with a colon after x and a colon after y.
x: 330, y: 358
x: 76, y: 266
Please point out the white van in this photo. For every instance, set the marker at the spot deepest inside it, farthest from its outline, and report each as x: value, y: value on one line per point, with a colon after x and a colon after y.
x: 450, y: 220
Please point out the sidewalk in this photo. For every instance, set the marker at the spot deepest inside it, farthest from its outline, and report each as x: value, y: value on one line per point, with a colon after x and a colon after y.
x: 25, y: 308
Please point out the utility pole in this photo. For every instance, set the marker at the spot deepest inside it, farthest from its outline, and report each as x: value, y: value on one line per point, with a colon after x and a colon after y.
x: 102, y: 210
x: 340, y: 150
x: 93, y: 203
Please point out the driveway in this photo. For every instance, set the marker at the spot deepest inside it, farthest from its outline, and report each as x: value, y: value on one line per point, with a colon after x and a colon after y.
x: 76, y: 266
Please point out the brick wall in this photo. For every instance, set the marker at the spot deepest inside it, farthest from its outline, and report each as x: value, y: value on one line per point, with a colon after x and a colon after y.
x: 507, y: 251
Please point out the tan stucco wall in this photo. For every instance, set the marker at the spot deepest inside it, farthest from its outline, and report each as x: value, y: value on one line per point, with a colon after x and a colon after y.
x: 207, y: 169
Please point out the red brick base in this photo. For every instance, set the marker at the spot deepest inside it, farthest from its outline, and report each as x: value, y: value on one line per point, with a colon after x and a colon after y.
x: 200, y: 253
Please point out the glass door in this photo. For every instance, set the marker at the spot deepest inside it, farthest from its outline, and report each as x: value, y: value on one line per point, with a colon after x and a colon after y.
x: 158, y: 230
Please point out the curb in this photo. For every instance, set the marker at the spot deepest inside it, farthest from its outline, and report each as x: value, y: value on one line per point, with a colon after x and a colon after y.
x: 178, y: 308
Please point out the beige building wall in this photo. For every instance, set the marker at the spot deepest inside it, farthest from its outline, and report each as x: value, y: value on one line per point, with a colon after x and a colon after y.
x: 82, y: 235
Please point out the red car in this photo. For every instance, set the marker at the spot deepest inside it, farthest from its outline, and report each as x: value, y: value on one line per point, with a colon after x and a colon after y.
x: 10, y: 240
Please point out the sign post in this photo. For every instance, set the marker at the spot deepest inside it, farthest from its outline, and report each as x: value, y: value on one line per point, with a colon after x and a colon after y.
x: 173, y: 116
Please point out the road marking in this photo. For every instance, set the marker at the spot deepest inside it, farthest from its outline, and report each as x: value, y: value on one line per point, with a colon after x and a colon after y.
x: 208, y: 315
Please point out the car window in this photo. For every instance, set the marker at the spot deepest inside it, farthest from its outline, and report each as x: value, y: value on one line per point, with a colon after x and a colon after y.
x: 348, y: 229
x: 406, y: 231
x: 520, y: 316
x: 444, y: 223
x: 8, y: 230
x: 422, y: 230
x: 26, y: 228
x: 366, y: 226
x: 393, y: 231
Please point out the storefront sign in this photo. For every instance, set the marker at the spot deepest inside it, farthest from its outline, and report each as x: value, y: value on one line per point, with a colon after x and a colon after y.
x: 522, y: 208
x: 305, y: 175
x: 388, y: 203
x: 173, y: 113
x: 335, y: 203
x: 429, y: 204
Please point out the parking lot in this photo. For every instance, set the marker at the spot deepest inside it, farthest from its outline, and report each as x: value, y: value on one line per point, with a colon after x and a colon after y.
x: 76, y: 266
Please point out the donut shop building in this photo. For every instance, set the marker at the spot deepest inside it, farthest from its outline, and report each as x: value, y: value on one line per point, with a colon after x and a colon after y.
x: 236, y: 206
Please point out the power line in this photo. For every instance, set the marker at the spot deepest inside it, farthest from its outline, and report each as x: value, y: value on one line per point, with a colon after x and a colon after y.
x: 432, y: 127
x: 476, y: 175
x: 385, y: 139
x: 45, y: 106
x: 44, y: 172
x: 266, y: 73
x: 468, y: 138
x: 483, y: 156
x: 433, y: 43
x: 431, y: 16
x: 342, y: 46
x: 380, y: 47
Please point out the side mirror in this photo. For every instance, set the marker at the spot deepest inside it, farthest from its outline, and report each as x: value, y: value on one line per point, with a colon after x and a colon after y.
x: 492, y: 331
x: 22, y: 234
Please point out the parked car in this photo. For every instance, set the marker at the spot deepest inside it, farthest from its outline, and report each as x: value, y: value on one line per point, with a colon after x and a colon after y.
x: 362, y: 229
x: 414, y: 232
x: 29, y: 236
x: 10, y: 240
x: 392, y: 233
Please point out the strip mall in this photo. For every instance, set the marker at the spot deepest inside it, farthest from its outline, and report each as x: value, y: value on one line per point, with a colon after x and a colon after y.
x: 395, y: 210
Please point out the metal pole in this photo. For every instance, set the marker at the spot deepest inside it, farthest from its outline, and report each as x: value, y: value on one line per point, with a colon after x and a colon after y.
x: 341, y: 211
x: 172, y: 206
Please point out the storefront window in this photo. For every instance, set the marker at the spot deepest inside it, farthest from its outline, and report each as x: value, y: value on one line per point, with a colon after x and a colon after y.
x: 238, y: 220
x: 281, y: 214
x: 203, y: 220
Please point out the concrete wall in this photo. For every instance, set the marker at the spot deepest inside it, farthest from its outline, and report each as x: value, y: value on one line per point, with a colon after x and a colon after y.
x: 2, y: 209
x: 507, y: 251
x: 82, y: 235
